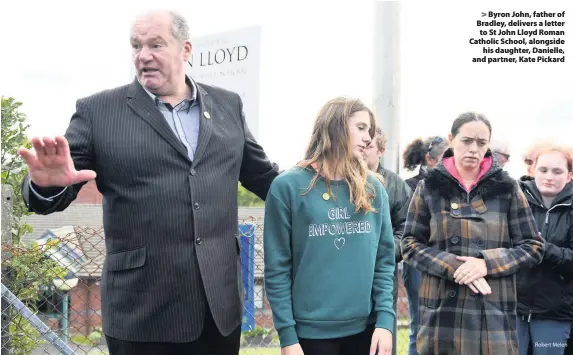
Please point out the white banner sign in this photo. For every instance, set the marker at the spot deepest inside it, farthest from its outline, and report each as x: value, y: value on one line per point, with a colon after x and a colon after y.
x: 231, y: 60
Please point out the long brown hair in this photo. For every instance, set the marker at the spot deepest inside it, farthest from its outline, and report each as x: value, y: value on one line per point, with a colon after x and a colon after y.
x: 330, y: 150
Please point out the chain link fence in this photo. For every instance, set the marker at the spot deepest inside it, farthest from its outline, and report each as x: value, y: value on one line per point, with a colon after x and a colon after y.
x: 51, y: 294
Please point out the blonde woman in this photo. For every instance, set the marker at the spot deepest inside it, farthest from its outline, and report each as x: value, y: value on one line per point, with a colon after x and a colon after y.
x: 545, y: 292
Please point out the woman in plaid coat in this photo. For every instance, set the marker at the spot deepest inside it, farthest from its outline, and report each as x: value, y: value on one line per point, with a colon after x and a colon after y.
x: 469, y: 230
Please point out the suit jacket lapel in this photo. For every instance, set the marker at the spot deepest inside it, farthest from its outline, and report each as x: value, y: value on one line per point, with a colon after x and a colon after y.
x: 142, y: 104
x: 205, y: 123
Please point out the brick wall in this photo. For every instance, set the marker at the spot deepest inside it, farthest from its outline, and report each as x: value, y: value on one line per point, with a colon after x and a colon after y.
x: 89, y: 195
x: 85, y: 308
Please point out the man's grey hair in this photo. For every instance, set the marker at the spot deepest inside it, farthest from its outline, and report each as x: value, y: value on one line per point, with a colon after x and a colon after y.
x: 499, y: 147
x: 179, y: 27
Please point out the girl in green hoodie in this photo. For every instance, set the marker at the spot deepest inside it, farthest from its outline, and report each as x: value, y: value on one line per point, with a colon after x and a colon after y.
x: 329, y: 249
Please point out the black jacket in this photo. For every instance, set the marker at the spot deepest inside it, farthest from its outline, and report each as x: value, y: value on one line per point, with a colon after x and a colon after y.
x: 413, y: 181
x: 399, y: 195
x: 546, y: 291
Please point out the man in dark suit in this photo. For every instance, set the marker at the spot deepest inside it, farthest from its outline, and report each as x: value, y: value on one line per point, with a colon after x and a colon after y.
x: 167, y: 154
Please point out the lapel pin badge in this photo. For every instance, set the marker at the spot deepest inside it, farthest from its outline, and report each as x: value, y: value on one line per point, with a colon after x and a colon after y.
x: 207, y: 115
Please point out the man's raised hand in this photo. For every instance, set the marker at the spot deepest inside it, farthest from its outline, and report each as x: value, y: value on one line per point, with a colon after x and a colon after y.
x: 50, y: 163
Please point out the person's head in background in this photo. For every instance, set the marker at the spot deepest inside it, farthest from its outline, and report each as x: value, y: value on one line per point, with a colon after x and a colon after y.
x: 426, y: 153
x: 375, y: 150
x: 500, y: 150
x: 469, y: 137
x: 531, y: 155
x: 552, y: 170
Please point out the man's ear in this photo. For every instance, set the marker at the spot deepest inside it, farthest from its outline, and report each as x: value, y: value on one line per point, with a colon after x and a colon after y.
x: 187, y: 48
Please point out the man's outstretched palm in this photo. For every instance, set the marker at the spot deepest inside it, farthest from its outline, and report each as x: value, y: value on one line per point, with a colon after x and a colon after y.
x: 50, y: 163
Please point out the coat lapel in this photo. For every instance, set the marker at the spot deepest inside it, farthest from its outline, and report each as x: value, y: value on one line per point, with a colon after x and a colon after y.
x: 142, y: 104
x: 205, y: 123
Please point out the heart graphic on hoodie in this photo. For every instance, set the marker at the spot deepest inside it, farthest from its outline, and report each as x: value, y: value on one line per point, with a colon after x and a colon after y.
x: 339, y: 242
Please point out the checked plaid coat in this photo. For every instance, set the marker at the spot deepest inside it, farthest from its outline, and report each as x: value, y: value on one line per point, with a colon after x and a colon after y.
x: 493, y: 222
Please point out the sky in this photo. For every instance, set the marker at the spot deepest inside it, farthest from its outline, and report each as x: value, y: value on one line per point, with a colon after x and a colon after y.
x: 311, y: 51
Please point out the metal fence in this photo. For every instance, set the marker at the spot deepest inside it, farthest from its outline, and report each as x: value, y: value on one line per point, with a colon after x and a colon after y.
x: 57, y: 280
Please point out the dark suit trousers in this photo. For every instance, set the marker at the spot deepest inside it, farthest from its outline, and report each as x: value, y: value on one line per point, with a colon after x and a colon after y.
x: 211, y: 342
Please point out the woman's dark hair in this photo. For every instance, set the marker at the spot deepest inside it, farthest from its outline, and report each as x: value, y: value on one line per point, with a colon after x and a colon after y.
x: 415, y: 153
x: 468, y: 117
